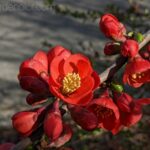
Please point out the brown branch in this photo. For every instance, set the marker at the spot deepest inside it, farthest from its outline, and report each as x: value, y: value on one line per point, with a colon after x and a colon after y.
x: 107, y: 74
x: 110, y: 71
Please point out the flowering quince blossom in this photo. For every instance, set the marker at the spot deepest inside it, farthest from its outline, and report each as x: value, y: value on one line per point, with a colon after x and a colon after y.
x: 25, y: 122
x: 106, y: 111
x: 137, y: 72
x: 130, y: 108
x: 129, y: 48
x: 112, y: 28
x: 33, y: 77
x: 72, y: 77
x: 6, y: 146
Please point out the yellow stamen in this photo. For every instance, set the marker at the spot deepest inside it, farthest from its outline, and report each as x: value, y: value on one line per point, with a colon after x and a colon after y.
x: 71, y: 83
x: 134, y: 76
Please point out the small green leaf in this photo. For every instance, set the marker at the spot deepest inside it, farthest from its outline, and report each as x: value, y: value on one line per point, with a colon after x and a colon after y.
x: 139, y: 37
x: 116, y: 87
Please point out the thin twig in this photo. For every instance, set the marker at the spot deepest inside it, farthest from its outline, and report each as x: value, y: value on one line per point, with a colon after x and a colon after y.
x: 110, y: 71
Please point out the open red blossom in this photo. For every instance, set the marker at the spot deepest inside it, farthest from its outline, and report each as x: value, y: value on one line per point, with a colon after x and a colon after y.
x: 129, y: 48
x: 137, y: 72
x: 33, y: 77
x: 72, y: 77
x: 106, y: 111
x: 25, y: 122
x: 112, y: 28
x: 130, y: 108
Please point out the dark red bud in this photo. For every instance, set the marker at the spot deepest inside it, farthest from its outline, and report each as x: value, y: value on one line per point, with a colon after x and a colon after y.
x: 111, y: 48
x: 129, y: 48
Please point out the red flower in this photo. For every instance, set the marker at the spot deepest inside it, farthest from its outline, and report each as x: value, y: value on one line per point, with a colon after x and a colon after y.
x: 26, y: 122
x: 111, y: 48
x: 137, y: 72
x: 72, y: 77
x: 106, y: 111
x: 129, y: 48
x: 33, y: 77
x: 83, y: 117
x: 130, y: 108
x: 112, y: 28
x: 53, y: 125
x: 7, y: 146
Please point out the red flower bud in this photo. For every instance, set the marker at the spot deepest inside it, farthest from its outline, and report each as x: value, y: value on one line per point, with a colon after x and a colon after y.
x: 112, y: 28
x: 111, y: 48
x: 83, y: 117
x: 129, y: 48
x: 26, y: 122
x: 53, y: 125
x: 6, y: 146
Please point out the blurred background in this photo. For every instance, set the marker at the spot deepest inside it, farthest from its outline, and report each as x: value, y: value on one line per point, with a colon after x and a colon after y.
x: 29, y: 25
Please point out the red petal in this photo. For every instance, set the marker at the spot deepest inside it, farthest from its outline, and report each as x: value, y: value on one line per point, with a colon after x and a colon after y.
x: 83, y: 117
x: 55, y: 69
x: 33, y: 99
x: 143, y: 101
x: 57, y: 51
x: 129, y: 119
x: 97, y: 79
x: 34, y: 85
x: 34, y: 65
x: 79, y: 64
x: 41, y: 56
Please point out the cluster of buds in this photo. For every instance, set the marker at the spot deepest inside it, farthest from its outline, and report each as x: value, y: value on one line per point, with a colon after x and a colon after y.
x: 70, y: 81
x: 137, y: 70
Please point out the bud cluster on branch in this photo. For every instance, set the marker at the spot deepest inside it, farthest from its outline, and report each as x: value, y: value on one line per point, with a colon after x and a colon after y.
x: 58, y: 78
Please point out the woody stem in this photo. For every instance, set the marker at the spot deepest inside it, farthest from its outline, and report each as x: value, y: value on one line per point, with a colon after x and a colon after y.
x: 120, y: 61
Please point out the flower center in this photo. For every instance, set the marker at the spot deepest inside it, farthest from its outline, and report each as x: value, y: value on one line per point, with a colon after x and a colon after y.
x: 103, y: 112
x: 71, y: 83
x: 137, y: 76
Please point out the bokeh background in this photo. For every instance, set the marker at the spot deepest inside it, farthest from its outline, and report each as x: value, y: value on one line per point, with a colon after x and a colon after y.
x: 29, y: 25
